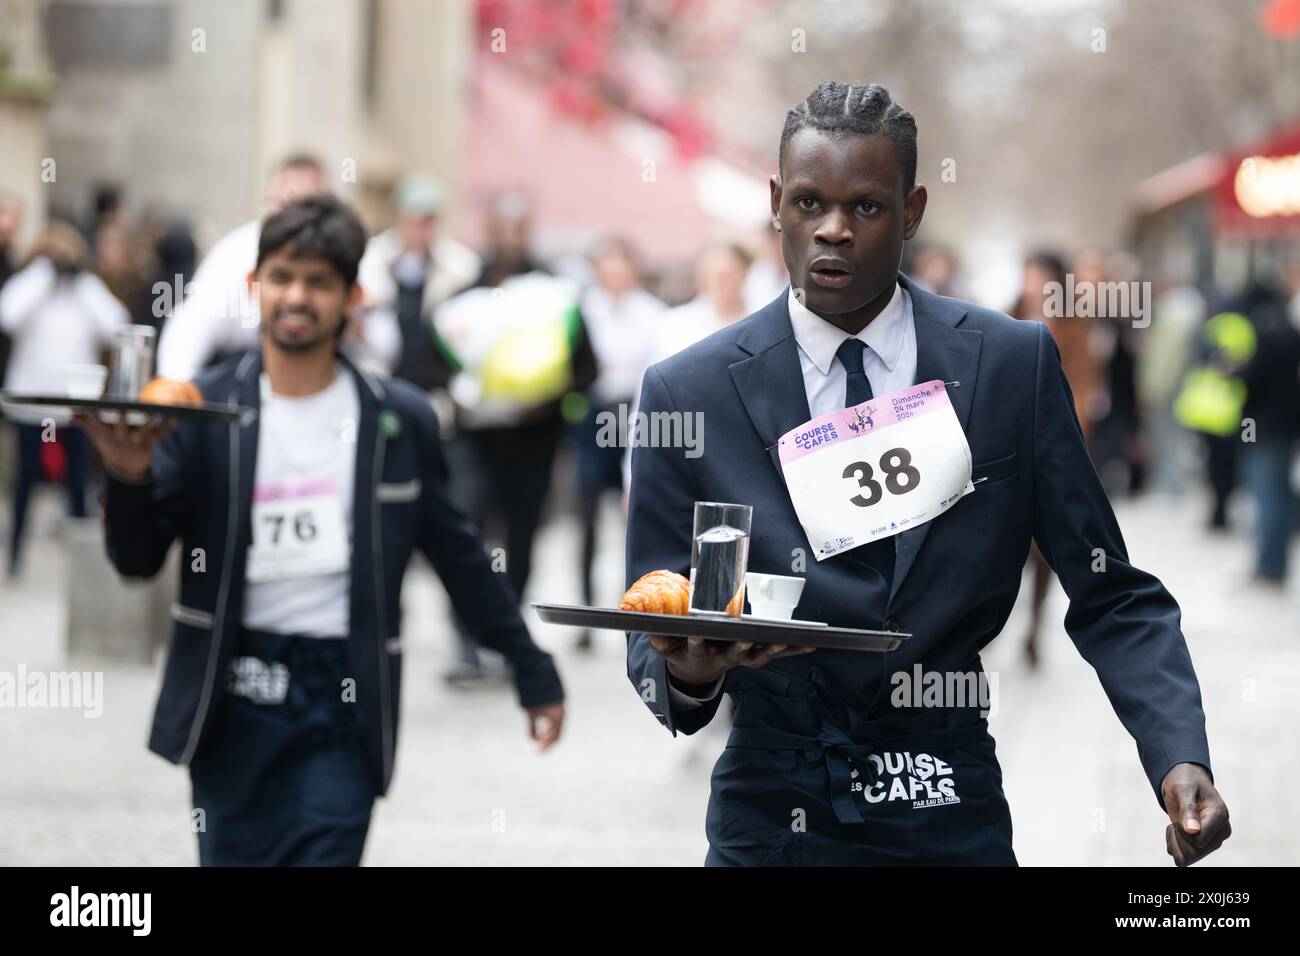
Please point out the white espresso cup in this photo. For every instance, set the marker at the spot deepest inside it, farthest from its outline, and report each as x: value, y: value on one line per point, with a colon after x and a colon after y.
x: 85, y: 381
x: 773, y: 595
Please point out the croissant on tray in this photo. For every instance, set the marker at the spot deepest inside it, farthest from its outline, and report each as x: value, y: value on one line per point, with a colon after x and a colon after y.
x: 659, y: 592
x: 169, y: 391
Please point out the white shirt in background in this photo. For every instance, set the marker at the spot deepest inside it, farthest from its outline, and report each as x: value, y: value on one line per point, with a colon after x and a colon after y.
x: 683, y: 326
x: 764, y: 281
x: 623, y: 333
x: 54, y: 323
x: 302, y: 442
x: 679, y: 328
x: 218, y: 315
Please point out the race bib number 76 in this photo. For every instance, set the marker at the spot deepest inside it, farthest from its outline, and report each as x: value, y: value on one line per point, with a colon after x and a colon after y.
x: 298, y: 531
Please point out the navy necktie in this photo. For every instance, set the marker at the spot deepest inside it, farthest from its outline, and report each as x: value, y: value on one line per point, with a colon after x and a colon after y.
x: 857, y: 389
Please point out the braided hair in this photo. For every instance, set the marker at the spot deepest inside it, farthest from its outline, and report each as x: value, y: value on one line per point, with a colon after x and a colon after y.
x: 857, y: 109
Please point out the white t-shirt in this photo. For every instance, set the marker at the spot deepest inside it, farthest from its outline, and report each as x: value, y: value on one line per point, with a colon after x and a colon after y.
x: 303, y: 489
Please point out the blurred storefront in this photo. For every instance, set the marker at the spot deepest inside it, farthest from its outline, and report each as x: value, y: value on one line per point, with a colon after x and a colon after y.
x: 1219, y: 219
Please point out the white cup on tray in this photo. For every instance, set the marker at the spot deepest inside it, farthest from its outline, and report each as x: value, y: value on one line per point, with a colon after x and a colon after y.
x: 85, y: 381
x: 773, y: 596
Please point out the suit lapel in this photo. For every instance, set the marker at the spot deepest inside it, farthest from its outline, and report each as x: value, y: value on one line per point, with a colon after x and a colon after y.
x: 364, y: 479
x: 949, y: 353
x: 770, y: 381
x: 248, y: 388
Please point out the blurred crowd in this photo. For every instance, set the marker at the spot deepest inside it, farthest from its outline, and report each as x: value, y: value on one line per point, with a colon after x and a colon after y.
x: 527, y: 359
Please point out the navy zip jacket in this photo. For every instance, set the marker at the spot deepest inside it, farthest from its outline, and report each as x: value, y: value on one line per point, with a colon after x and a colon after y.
x: 200, y: 492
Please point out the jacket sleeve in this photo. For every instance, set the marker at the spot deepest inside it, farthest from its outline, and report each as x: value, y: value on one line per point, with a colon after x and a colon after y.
x: 141, y: 520
x: 661, y: 514
x: 1123, y: 620
x: 481, y: 596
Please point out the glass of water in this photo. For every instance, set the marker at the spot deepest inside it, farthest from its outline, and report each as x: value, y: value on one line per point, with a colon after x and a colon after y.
x: 719, y: 555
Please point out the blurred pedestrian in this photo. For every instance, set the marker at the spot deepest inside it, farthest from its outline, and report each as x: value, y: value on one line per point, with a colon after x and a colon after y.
x: 1176, y: 316
x: 518, y: 346
x: 124, y: 259
x: 1115, y: 437
x: 622, y: 320
x: 57, y: 313
x: 720, y: 273
x: 175, y: 258
x: 766, y: 277
x: 407, y: 271
x: 11, y: 222
x: 217, y: 317
x: 1045, y: 272
x: 1272, y: 407
x: 1211, y: 401
x: 936, y: 270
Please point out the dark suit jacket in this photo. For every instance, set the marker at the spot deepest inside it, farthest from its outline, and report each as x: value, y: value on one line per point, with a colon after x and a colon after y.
x: 201, y: 493
x: 956, y: 577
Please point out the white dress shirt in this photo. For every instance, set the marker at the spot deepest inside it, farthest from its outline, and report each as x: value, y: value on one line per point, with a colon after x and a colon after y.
x: 889, y: 361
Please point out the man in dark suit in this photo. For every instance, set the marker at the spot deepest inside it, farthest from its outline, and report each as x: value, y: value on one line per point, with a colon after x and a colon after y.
x: 827, y: 763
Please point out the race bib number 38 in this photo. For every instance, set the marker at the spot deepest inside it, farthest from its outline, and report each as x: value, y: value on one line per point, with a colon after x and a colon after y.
x: 872, y: 470
x: 298, y: 531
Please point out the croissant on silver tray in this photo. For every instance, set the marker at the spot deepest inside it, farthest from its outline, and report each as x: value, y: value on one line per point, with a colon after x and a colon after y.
x: 659, y: 592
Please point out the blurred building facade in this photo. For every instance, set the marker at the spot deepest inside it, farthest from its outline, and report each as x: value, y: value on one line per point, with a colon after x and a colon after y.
x: 187, y: 105
x: 26, y: 87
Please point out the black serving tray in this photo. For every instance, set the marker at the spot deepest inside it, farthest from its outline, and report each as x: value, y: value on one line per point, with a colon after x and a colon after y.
x: 209, y: 411
x: 722, y: 628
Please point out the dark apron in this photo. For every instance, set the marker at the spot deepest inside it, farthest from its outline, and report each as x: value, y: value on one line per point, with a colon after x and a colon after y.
x: 806, y: 781
x: 283, y: 779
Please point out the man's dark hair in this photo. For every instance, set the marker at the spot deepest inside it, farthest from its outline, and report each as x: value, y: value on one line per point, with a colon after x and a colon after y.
x: 320, y: 227
x: 1050, y: 262
x: 301, y: 161
x: 858, y: 109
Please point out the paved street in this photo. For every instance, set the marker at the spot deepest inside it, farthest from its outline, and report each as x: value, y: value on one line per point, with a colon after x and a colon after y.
x: 618, y: 790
